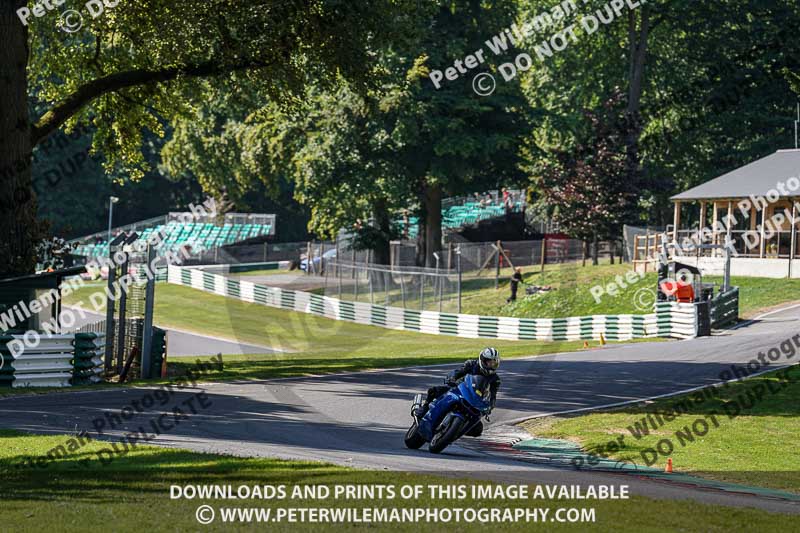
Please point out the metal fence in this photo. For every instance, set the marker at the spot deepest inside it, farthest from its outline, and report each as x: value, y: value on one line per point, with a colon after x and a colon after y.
x: 629, y: 238
x: 424, y: 289
x: 439, y: 289
x: 484, y: 256
x: 261, y: 253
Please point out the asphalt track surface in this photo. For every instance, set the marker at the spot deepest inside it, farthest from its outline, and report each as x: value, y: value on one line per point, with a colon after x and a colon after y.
x: 358, y: 419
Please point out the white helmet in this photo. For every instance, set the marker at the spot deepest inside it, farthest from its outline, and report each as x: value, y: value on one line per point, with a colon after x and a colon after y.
x: 488, y: 361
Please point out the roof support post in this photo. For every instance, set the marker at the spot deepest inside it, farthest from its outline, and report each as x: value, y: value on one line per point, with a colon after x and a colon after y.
x: 762, y: 244
x: 701, y: 234
x: 729, y: 224
x: 676, y: 221
x: 714, y: 230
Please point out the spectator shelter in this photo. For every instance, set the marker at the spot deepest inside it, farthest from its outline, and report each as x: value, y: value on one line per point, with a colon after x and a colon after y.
x: 753, y: 207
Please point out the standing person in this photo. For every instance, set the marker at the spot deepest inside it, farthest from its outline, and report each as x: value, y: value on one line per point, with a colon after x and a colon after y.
x: 516, y: 279
x: 506, y: 199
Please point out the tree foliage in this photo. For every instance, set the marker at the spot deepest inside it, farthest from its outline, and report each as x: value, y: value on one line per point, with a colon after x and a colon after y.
x: 144, y: 63
x: 585, y: 186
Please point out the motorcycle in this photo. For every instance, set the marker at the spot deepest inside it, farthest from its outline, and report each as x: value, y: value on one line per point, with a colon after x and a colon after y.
x: 451, y: 416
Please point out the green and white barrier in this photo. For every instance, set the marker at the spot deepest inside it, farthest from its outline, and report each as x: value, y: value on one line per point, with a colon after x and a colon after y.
x: 669, y: 320
x: 677, y: 320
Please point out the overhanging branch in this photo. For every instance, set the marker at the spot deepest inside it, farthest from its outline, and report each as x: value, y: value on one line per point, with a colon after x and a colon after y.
x: 58, y: 115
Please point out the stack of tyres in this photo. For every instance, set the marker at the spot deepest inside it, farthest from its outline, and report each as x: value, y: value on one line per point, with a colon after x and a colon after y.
x: 159, y: 348
x: 88, y: 361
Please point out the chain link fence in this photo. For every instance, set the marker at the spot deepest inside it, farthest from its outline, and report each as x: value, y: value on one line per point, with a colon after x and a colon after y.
x: 402, y: 284
x: 265, y: 252
x: 483, y: 256
x: 424, y: 289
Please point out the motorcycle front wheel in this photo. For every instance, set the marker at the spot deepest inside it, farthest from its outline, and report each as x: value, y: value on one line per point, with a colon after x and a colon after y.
x: 413, y: 439
x: 446, y: 436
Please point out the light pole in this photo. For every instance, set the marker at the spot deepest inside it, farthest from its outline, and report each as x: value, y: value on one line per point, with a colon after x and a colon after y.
x: 458, y: 266
x: 111, y: 201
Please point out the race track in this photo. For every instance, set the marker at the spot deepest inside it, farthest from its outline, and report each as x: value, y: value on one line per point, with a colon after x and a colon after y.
x: 358, y: 419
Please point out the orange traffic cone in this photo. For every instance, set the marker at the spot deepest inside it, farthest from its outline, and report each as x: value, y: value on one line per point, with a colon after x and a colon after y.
x: 602, y: 340
x: 668, y: 469
x: 585, y: 344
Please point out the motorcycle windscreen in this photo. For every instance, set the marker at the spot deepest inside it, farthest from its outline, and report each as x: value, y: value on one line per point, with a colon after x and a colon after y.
x: 474, y: 389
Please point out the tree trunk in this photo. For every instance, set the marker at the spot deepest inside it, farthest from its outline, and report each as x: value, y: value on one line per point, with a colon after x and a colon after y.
x: 433, y: 222
x: 19, y: 229
x: 595, y: 249
x: 419, y: 256
x: 382, y: 249
x: 637, y: 53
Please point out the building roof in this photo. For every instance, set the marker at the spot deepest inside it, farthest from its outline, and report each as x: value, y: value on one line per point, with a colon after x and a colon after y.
x: 756, y: 178
x: 43, y: 280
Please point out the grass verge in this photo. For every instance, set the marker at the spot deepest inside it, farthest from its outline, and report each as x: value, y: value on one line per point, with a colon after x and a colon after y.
x: 572, y: 296
x: 313, y: 344
x: 132, y: 493
x: 756, y: 446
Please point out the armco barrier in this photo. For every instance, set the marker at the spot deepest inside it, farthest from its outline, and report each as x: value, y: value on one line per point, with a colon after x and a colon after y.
x: 725, y: 308
x: 57, y: 361
x: 669, y: 320
x: 49, y: 364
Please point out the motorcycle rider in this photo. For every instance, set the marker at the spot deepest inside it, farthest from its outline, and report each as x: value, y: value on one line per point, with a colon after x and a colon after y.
x: 485, y: 365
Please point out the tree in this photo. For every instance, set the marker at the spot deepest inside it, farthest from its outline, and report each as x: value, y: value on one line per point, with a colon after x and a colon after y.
x: 693, y: 116
x: 144, y: 62
x: 449, y: 140
x: 328, y: 150
x: 360, y: 155
x: 586, y: 187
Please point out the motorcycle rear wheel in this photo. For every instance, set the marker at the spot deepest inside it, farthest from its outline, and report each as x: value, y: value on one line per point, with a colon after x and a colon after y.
x: 446, y: 437
x: 413, y: 439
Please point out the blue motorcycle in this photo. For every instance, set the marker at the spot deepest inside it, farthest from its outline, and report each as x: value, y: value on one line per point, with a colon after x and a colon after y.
x: 452, y: 415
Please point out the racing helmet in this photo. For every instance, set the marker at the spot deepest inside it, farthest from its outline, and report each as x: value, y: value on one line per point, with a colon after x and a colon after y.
x: 488, y: 361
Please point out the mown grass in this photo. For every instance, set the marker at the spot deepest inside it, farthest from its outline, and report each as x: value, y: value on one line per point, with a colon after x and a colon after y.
x: 133, y: 493
x: 573, y: 297
x: 313, y: 344
x: 758, y: 446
